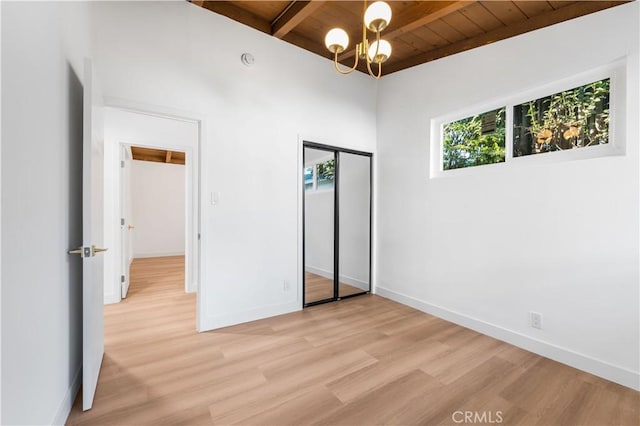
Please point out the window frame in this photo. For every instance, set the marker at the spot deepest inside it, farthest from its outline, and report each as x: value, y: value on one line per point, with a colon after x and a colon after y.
x: 615, y: 71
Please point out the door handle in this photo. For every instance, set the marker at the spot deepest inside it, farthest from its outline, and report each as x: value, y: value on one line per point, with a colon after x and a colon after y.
x: 86, y: 251
x: 130, y: 227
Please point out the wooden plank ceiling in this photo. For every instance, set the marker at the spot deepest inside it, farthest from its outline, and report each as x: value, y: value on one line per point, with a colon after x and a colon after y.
x: 157, y: 155
x: 419, y: 32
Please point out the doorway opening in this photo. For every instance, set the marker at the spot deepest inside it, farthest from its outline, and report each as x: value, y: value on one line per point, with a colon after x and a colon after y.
x: 153, y: 217
x: 336, y: 223
x: 154, y: 224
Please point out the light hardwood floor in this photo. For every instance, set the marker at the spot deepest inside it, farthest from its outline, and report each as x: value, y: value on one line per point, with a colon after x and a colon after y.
x: 360, y: 361
x: 320, y: 288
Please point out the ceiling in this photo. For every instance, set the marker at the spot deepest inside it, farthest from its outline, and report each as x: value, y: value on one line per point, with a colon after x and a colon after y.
x: 157, y: 155
x: 419, y: 32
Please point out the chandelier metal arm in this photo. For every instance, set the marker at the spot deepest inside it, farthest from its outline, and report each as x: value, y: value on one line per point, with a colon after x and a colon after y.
x: 377, y: 77
x: 337, y: 65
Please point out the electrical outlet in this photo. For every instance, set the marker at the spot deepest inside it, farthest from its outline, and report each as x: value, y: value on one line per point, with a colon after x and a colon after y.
x: 535, y: 320
x: 285, y: 285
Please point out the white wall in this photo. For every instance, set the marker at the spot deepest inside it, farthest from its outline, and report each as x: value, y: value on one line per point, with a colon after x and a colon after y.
x: 134, y: 128
x: 43, y: 45
x: 483, y: 249
x: 180, y: 56
x: 158, y: 208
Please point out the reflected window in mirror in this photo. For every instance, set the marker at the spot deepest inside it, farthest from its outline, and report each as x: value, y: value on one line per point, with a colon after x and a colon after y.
x: 320, y: 175
x: 309, y: 180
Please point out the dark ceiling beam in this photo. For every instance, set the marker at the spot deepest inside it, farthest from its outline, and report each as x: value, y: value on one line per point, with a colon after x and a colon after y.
x: 293, y: 15
x: 426, y: 12
x: 238, y: 14
x: 421, y: 13
x: 564, y: 13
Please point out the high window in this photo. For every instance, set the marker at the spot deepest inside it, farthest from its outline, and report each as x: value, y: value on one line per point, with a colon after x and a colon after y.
x: 571, y: 119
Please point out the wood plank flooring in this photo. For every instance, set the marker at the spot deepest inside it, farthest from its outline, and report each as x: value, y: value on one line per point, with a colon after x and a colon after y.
x: 360, y: 361
x: 318, y: 288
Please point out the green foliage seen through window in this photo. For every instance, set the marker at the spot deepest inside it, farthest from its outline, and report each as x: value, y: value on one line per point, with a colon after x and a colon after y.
x: 465, y: 144
x: 575, y: 118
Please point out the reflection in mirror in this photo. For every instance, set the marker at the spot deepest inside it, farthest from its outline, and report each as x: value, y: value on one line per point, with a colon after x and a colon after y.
x: 319, y: 188
x: 355, y: 215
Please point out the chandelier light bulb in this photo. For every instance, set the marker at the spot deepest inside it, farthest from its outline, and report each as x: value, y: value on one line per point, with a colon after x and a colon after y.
x: 377, y: 16
x: 384, y: 51
x: 336, y: 40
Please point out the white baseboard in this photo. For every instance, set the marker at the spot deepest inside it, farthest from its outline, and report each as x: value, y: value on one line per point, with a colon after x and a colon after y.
x: 319, y: 271
x: 566, y: 356
x: 354, y: 282
x: 145, y: 255
x: 225, y: 320
x: 67, y: 403
x: 343, y: 278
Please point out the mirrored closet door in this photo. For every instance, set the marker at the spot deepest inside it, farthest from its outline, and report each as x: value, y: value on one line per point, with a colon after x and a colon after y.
x: 319, y: 219
x: 355, y: 224
x: 336, y: 222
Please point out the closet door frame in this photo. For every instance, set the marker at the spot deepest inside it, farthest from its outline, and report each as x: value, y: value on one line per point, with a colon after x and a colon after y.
x: 336, y: 222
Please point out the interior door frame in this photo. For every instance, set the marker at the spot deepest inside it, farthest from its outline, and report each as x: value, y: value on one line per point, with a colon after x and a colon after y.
x: 336, y: 221
x: 195, y: 154
x: 191, y: 235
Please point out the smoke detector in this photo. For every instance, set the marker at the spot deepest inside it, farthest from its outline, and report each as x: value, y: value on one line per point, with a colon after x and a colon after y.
x: 247, y: 59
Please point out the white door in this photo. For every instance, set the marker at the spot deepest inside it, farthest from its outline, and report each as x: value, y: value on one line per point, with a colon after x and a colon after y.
x: 125, y: 222
x: 92, y: 238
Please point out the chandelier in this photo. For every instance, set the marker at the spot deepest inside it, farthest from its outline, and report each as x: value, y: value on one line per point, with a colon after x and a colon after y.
x: 376, y: 18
